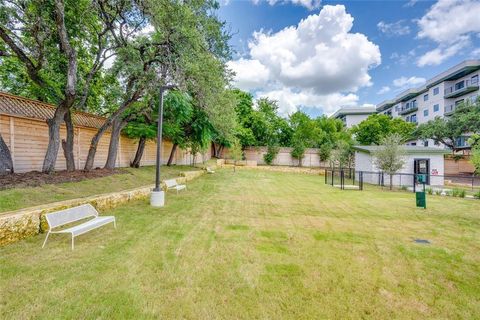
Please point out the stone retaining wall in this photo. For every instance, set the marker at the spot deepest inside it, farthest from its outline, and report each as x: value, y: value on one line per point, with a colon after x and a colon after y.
x: 23, y: 223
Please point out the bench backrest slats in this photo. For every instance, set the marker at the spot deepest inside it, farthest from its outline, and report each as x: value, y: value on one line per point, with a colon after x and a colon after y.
x: 170, y: 183
x: 60, y: 218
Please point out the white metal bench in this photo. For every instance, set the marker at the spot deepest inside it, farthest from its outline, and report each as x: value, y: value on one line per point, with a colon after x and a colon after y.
x: 173, y: 185
x: 67, y: 216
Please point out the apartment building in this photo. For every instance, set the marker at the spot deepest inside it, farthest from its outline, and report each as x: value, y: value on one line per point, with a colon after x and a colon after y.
x: 437, y: 98
x: 353, y: 115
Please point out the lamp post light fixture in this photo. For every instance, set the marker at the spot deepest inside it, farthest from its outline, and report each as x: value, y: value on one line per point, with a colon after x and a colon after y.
x: 157, y: 198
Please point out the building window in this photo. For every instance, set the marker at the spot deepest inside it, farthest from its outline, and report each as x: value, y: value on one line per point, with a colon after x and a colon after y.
x: 436, y: 107
x: 459, y: 85
x: 425, y: 113
x: 436, y: 143
x: 473, y: 99
x: 425, y: 143
x: 461, y: 142
x: 425, y: 97
x: 475, y: 80
x: 413, y: 118
x: 436, y: 91
x: 458, y: 102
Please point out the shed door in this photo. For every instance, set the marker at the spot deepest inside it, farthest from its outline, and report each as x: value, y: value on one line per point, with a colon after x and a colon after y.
x: 422, y: 166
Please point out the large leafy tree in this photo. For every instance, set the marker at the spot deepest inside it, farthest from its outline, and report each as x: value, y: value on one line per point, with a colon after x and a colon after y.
x: 184, y: 50
x: 178, y: 114
x: 377, y: 126
x: 52, y: 50
x: 465, y: 119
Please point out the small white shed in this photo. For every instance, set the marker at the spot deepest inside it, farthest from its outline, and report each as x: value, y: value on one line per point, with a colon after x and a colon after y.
x: 418, y: 160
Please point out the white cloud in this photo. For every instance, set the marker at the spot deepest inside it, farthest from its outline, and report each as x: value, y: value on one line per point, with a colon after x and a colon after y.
x: 442, y: 53
x: 290, y: 101
x: 475, y: 54
x: 249, y: 74
x: 403, y: 58
x: 317, y: 59
x: 384, y: 90
x: 394, y: 29
x: 451, y: 34
x: 309, y: 4
x: 403, y: 82
x: 410, y: 3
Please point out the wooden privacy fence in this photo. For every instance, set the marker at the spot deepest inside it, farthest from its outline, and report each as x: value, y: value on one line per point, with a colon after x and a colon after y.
x: 27, y: 140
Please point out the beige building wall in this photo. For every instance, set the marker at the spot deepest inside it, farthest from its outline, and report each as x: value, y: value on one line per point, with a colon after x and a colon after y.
x: 28, y: 140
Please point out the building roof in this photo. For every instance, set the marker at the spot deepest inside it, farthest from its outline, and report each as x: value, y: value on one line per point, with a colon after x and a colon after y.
x: 407, y: 149
x: 343, y: 111
x: 27, y: 108
x: 455, y: 72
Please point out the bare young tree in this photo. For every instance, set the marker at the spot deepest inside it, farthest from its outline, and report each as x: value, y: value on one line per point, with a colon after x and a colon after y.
x: 390, y: 155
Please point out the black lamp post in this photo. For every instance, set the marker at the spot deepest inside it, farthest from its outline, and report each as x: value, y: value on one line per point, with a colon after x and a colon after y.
x: 159, y: 141
x: 157, y: 198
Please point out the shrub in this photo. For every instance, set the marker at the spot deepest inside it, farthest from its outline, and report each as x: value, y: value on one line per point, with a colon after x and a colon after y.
x: 459, y: 193
x: 429, y: 191
x: 298, y: 152
x: 271, y: 154
x: 477, y: 195
x: 438, y: 192
x: 404, y: 188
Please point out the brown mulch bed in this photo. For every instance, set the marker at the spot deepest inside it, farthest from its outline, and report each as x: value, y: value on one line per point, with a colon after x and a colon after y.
x: 36, y: 178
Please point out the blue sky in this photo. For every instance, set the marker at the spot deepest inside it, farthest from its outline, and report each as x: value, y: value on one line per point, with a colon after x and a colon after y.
x: 384, y: 47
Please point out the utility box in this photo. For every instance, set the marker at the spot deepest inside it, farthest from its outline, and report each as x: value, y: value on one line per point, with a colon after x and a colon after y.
x: 421, y: 199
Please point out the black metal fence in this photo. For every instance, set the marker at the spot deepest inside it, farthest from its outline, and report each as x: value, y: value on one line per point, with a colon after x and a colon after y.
x: 349, y: 178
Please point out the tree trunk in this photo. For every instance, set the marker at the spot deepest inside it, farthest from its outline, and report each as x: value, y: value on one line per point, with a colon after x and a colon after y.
x: 54, y: 138
x: 139, y: 153
x: 67, y: 145
x: 215, y: 150
x: 391, y: 182
x: 220, y: 151
x: 172, y: 154
x: 118, y: 125
x: 96, y: 138
x: 6, y: 163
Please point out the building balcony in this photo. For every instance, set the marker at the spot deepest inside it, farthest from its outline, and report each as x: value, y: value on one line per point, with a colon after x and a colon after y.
x: 461, y: 88
x: 449, y: 110
x: 407, y: 110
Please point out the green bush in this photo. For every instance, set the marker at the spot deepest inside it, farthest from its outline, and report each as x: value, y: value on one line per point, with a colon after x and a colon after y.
x: 298, y: 152
x: 459, y: 193
x: 271, y: 154
x: 438, y: 192
x: 477, y: 195
x: 429, y: 191
x: 404, y: 188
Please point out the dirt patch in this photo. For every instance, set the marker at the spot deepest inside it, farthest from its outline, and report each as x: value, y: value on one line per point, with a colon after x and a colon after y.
x: 35, y: 178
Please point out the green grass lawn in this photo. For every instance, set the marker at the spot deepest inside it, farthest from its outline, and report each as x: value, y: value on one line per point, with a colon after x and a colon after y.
x: 256, y: 244
x: 13, y: 199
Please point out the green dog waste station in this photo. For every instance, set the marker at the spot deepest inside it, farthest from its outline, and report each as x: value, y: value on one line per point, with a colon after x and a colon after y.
x: 420, y: 196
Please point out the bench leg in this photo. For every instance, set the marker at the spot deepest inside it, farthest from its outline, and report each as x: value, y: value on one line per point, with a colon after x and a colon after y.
x: 115, y: 224
x: 73, y: 243
x: 46, y: 238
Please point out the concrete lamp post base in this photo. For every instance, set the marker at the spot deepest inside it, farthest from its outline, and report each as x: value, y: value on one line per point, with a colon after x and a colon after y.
x: 157, y: 199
